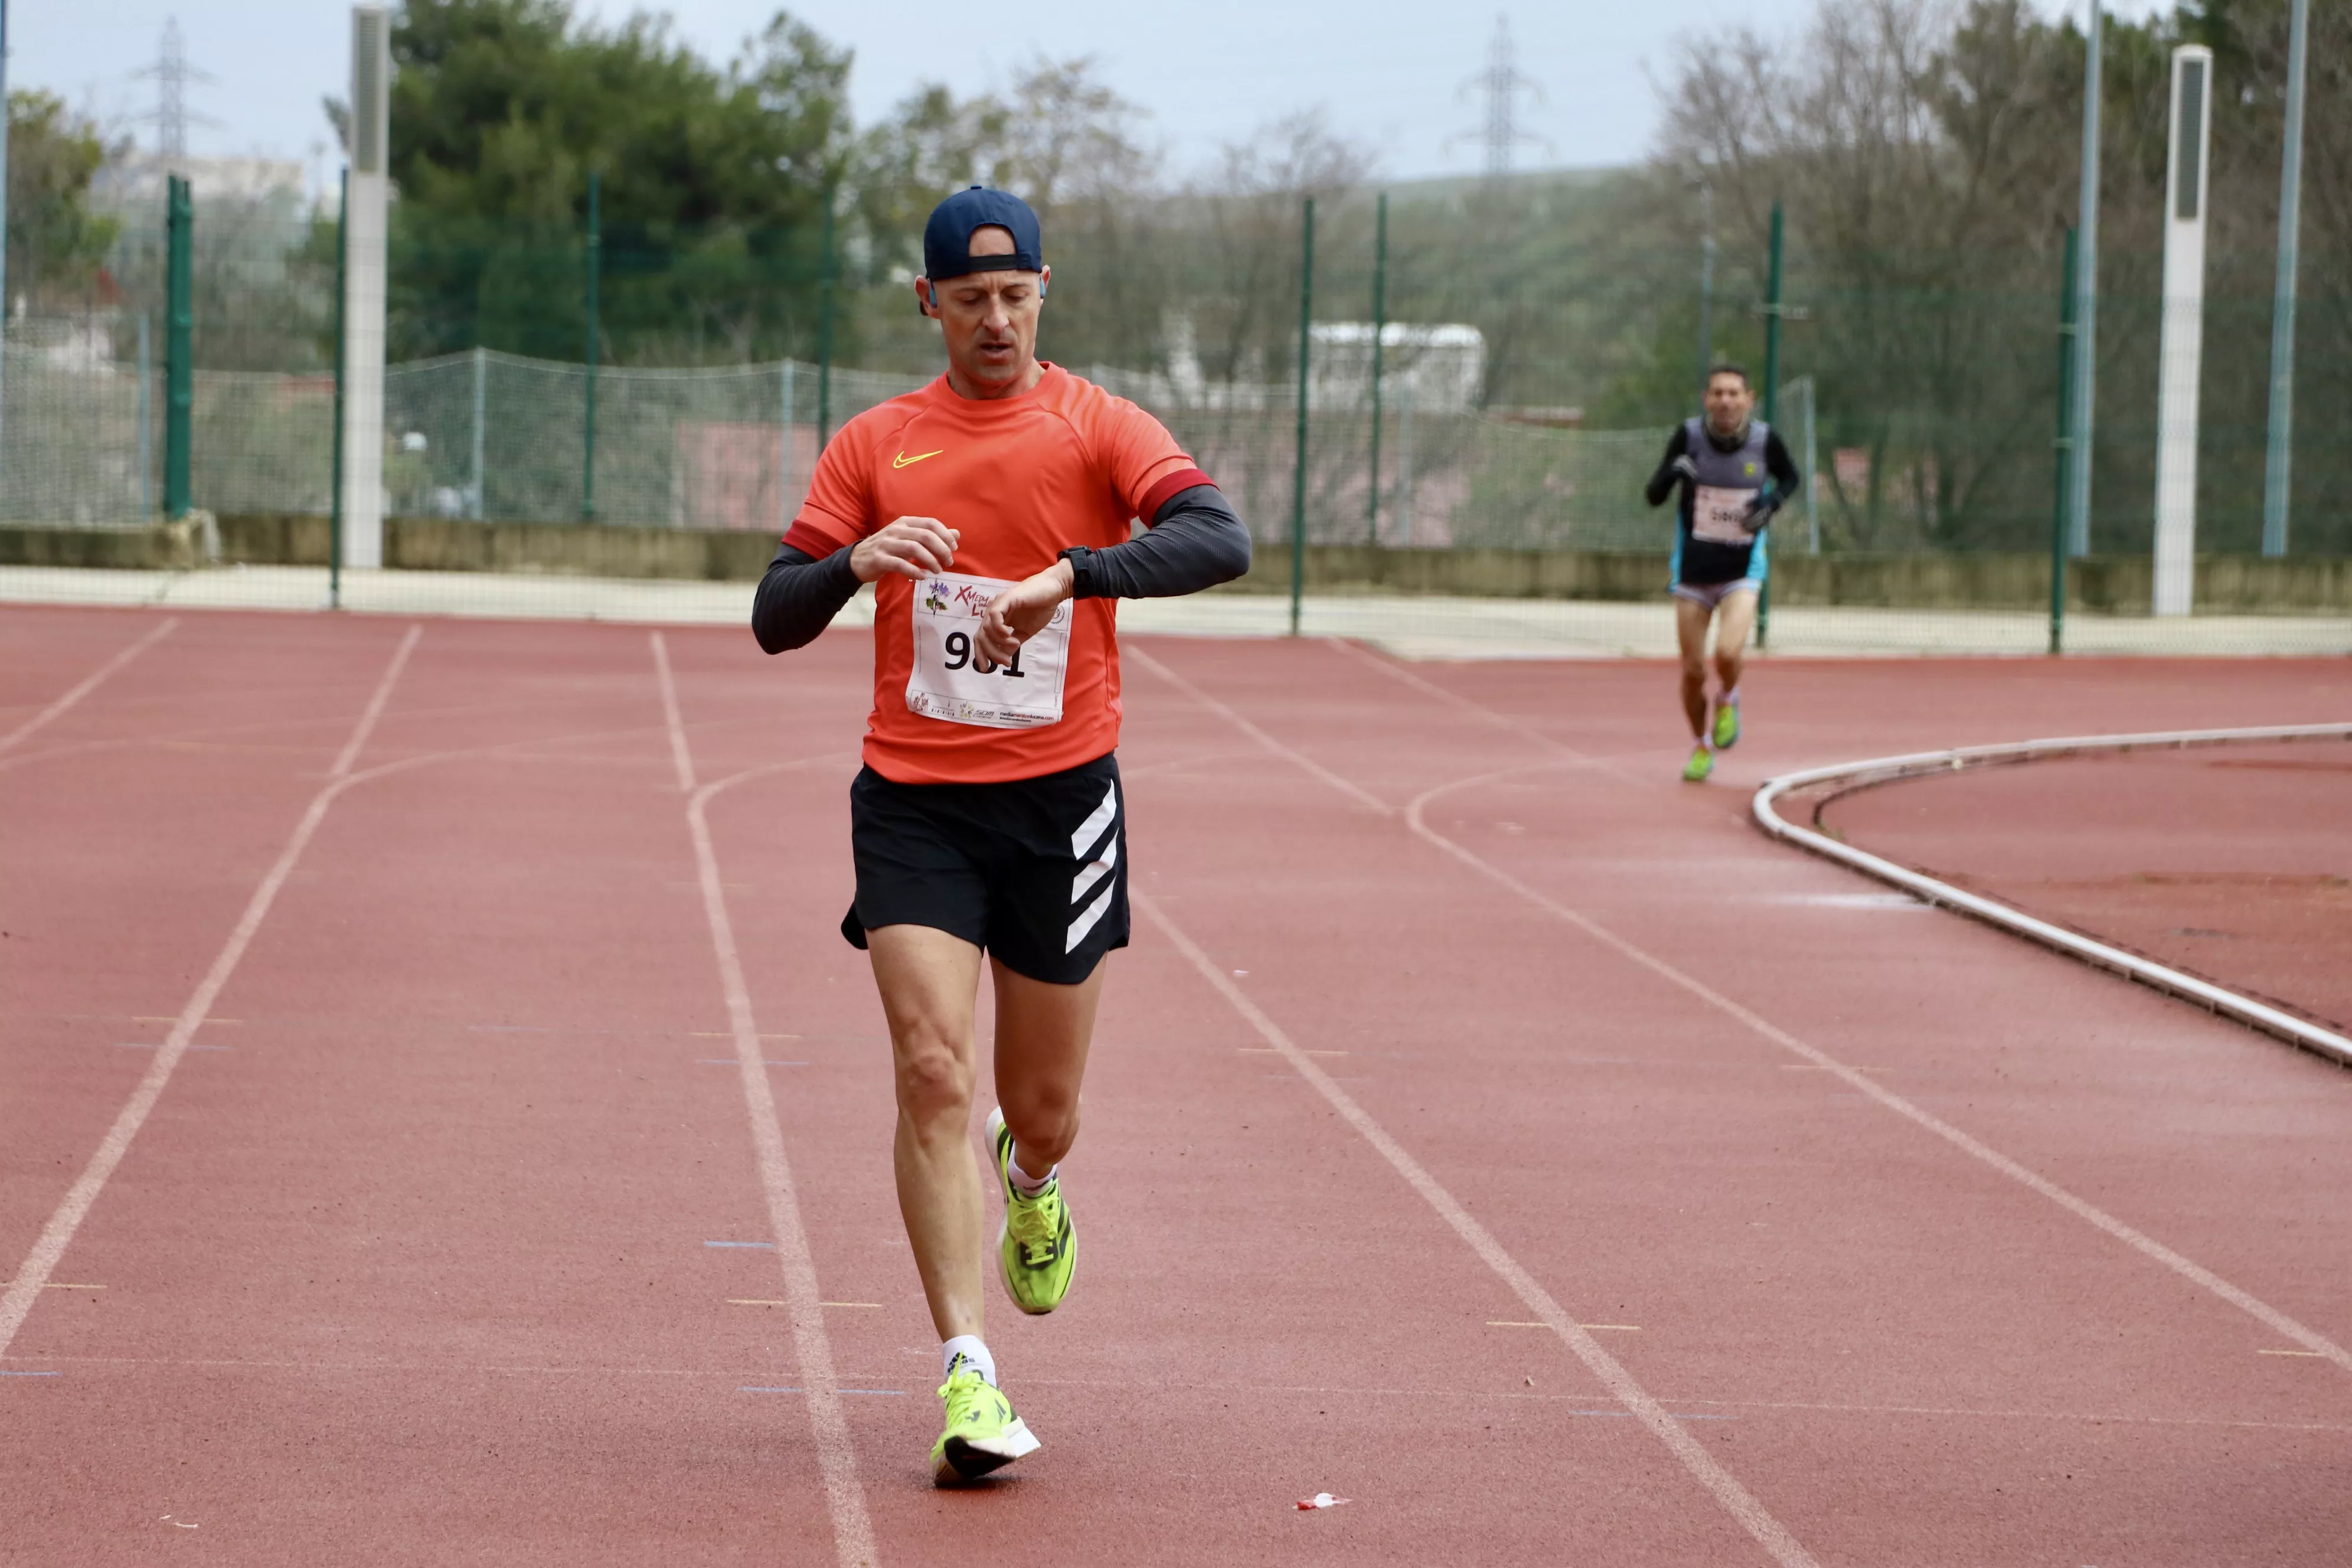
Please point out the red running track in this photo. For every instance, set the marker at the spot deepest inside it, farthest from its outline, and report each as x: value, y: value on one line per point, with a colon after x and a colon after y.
x: 1891, y: 1239
x: 2232, y: 863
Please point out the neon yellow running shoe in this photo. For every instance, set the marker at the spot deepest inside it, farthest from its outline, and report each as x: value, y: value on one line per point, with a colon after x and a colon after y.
x: 1726, y: 726
x: 1701, y: 764
x: 1036, y: 1247
x: 982, y: 1433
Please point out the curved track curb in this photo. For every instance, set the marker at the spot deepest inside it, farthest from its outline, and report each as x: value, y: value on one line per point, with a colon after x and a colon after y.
x: 1888, y: 769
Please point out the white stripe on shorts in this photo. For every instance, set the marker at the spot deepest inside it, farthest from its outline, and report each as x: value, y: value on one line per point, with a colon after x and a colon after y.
x: 1092, y: 827
x: 1095, y: 870
x: 1086, y: 923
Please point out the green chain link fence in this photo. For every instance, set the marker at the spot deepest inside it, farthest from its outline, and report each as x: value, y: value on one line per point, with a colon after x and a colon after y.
x: 1479, y: 418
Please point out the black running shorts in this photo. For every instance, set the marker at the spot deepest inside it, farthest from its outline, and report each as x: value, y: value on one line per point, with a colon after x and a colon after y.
x: 1034, y: 870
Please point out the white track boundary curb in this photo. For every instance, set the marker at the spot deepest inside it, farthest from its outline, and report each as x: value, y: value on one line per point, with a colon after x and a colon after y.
x: 1887, y: 769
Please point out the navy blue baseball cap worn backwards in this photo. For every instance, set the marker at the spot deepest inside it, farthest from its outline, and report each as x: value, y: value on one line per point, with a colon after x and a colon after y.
x: 947, y: 238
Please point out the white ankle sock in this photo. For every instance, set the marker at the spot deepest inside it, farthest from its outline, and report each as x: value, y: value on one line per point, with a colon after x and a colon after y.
x: 975, y: 1356
x: 1027, y: 1186
x: 1729, y: 699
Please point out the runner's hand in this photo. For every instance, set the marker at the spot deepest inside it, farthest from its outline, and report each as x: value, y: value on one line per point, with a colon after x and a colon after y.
x: 1761, y: 510
x: 1021, y: 612
x: 907, y: 547
x: 1684, y: 467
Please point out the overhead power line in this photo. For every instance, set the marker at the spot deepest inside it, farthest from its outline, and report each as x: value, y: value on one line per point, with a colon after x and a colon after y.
x: 171, y: 74
x: 1501, y: 85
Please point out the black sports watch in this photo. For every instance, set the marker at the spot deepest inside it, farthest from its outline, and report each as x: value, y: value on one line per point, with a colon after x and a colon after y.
x: 1082, y: 571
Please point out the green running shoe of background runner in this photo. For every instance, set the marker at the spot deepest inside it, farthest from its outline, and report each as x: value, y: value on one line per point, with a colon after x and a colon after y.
x: 1726, y: 726
x: 1035, y: 1248
x: 982, y: 1432
x: 1701, y: 764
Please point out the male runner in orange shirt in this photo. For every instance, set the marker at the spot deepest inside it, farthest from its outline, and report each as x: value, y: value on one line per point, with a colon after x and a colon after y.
x: 990, y: 511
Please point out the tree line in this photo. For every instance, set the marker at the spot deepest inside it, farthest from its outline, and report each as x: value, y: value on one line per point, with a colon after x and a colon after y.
x: 1923, y: 151
x: 1927, y: 157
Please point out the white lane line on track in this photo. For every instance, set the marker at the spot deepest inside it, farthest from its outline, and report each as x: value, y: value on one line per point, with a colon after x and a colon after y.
x: 2138, y: 1241
x: 1298, y: 759
x: 1504, y: 722
x: 1736, y: 1499
x: 88, y: 684
x: 680, y: 757
x: 836, y: 1452
x: 2147, y: 1246
x: 59, y: 1233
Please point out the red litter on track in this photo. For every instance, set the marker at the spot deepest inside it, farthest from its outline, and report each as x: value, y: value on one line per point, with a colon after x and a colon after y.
x: 1320, y: 1500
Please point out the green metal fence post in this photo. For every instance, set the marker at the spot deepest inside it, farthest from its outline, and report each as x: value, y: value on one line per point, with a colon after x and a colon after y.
x: 146, y: 425
x: 825, y: 334
x: 179, y: 332
x: 481, y: 418
x: 1298, y: 468
x: 1771, y: 399
x: 2278, y: 458
x: 1706, y: 285
x: 596, y: 269
x: 335, y: 505
x: 2064, y: 445
x: 1380, y: 325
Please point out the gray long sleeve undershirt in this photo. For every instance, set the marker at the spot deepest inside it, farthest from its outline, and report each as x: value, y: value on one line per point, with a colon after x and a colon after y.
x: 1195, y: 542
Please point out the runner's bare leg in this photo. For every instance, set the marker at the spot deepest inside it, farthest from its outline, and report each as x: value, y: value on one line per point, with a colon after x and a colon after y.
x: 1042, y: 1035
x: 929, y: 981
x: 1690, y: 632
x: 1732, y: 622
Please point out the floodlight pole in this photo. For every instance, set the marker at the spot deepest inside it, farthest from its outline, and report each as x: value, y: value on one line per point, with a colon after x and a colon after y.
x: 2278, y: 461
x: 4, y: 189
x: 2181, y: 338
x: 2086, y: 302
x: 366, y: 231
x: 1298, y: 468
x: 335, y: 508
x: 1379, y: 327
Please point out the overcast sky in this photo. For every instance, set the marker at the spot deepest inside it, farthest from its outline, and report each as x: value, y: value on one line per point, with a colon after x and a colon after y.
x: 1391, y: 72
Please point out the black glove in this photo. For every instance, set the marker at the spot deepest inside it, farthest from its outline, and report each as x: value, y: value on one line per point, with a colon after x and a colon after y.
x: 1684, y: 467
x: 1760, y: 510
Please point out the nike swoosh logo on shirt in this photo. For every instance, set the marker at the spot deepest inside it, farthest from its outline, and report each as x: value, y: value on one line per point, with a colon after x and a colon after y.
x: 902, y: 460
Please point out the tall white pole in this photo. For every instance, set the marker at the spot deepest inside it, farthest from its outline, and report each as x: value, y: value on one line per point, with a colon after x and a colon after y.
x: 2279, y: 461
x: 364, y: 288
x: 2182, y: 344
x: 2087, y: 303
x: 3, y: 183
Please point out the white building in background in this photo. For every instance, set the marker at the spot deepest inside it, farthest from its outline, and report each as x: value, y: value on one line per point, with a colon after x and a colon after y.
x: 1442, y: 368
x: 1438, y: 369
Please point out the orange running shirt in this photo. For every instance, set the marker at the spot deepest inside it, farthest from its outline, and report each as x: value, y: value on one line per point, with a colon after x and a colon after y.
x: 1020, y: 479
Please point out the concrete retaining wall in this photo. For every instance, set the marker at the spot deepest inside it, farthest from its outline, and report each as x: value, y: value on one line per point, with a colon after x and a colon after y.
x: 2225, y: 585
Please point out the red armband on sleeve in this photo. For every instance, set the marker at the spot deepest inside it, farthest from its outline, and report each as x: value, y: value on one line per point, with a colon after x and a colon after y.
x: 1174, y: 484
x: 811, y: 541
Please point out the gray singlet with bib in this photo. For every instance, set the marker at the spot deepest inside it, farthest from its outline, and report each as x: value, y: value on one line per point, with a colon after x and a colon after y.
x: 1710, y: 547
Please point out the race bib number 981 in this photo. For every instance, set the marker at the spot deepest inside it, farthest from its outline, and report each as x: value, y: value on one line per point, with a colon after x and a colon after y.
x: 954, y: 681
